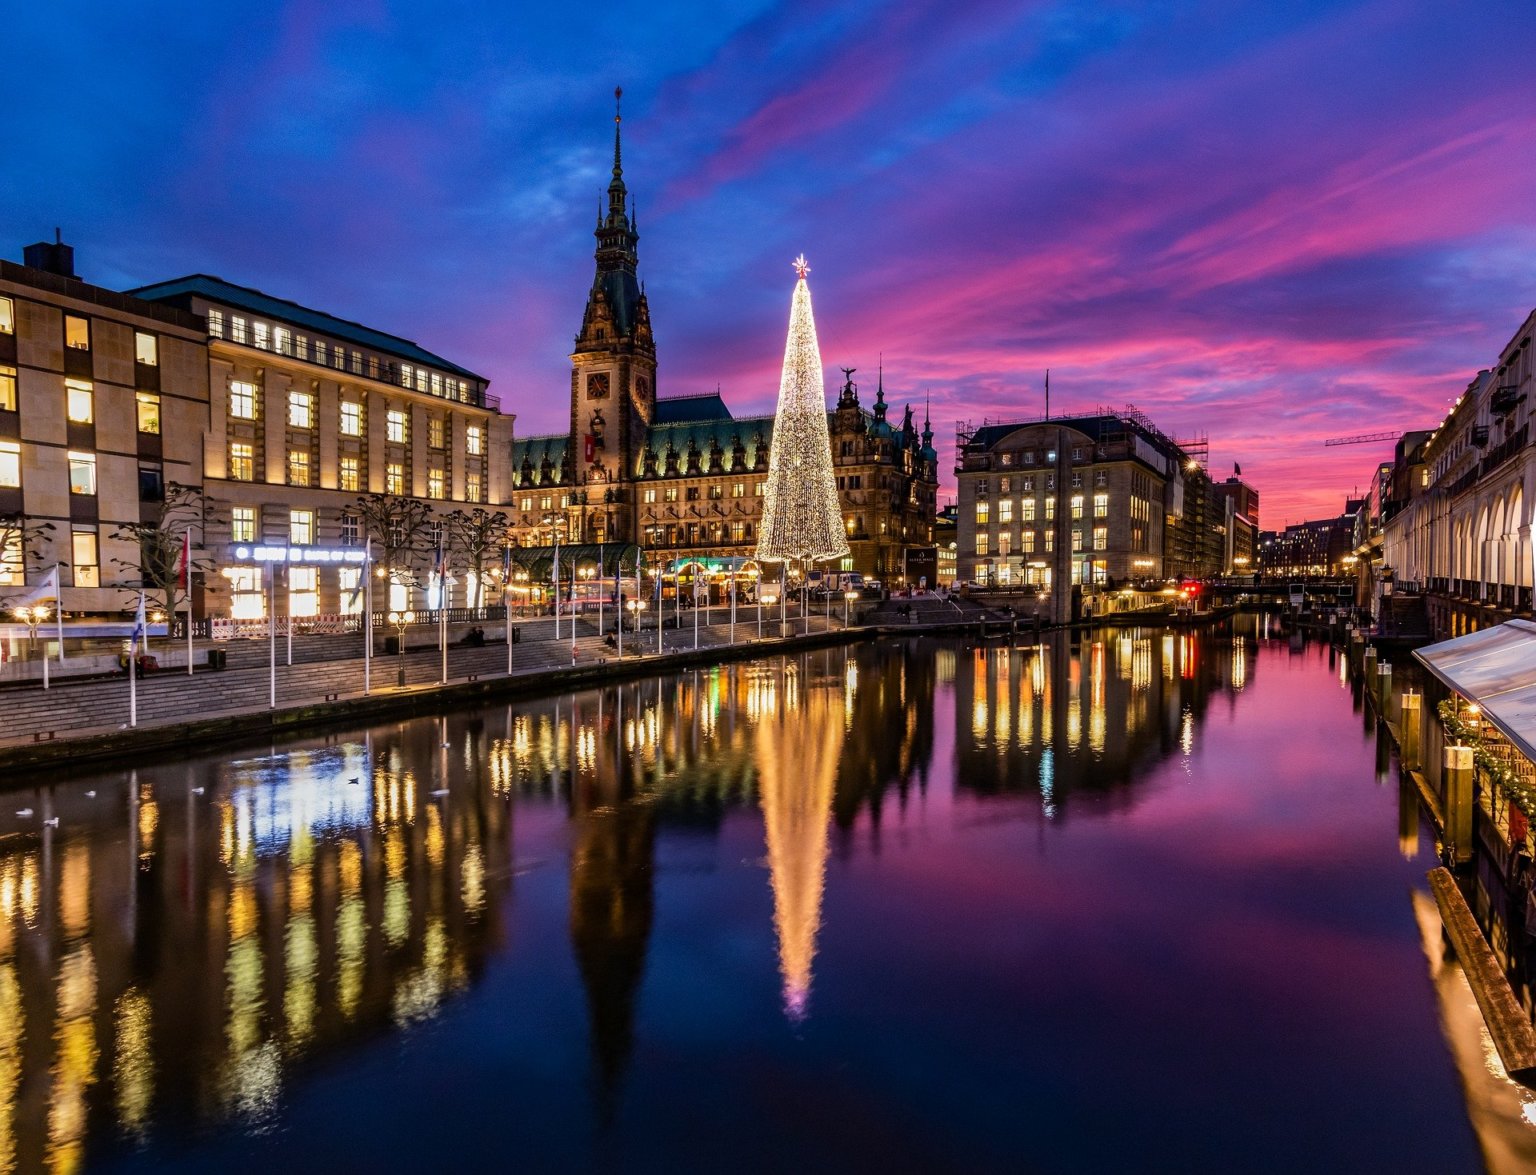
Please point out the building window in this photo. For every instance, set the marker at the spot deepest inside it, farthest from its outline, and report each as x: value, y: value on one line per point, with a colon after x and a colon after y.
x: 394, y: 478
x: 348, y: 474
x: 437, y: 384
x: 757, y: 490
x: 282, y: 341
x: 242, y: 524
x: 151, y: 483
x: 691, y: 493
x: 237, y: 329
x: 147, y: 406
x: 1027, y: 509
x: 435, y: 432
x: 1027, y: 542
x: 1005, y: 511
x: 79, y: 401
x: 351, y: 530
x: 7, y: 317
x: 301, y: 528
x: 1005, y: 459
x: 1101, y: 538
x: 298, y: 467
x: 351, y: 418
x: 77, y: 332
x: 246, y: 599
x: 303, y: 599
x: 646, y: 495
x: 739, y: 489
x: 1100, y: 477
x: 242, y: 462
x: 261, y: 335
x: 1101, y: 505
x: 473, y: 440
x: 395, y: 426
x: 983, y: 487
x: 434, y: 483
x: 357, y: 363
x: 347, y: 581
x: 84, y: 554
x: 1050, y: 509
x: 216, y: 324
x: 1077, y: 481
x: 1077, y: 453
x: 716, y: 491
x: 671, y: 493
x: 321, y: 352
x: 1004, y: 545
x: 7, y: 389
x: 1077, y: 540
x: 1004, y: 485
x: 474, y: 490
x: 982, y: 546
x: 242, y: 400
x: 301, y: 410
x: 82, y: 473
x: 1077, y: 506
x: 983, y: 513
x: 10, y: 465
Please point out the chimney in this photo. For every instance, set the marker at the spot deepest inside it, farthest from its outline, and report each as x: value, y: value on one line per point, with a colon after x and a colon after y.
x: 55, y: 257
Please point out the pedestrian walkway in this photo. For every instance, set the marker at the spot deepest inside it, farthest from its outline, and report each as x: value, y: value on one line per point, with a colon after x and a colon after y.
x: 99, y: 705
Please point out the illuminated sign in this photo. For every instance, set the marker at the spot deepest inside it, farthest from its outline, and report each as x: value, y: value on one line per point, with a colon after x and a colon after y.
x: 306, y: 555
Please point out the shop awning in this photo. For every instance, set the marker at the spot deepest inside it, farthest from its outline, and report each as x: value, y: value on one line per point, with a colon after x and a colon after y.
x: 1496, y: 668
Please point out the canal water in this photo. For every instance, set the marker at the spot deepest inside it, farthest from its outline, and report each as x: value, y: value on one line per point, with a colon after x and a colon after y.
x: 1139, y: 902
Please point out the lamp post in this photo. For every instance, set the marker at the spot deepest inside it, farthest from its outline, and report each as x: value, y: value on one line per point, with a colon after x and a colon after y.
x: 550, y: 520
x: 32, y: 616
x: 848, y: 598
x: 401, y: 621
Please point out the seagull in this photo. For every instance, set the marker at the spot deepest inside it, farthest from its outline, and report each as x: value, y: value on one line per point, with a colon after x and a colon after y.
x: 24, y: 812
x: 442, y: 791
x: 197, y: 791
x: 52, y: 822
x: 90, y: 795
x: 353, y: 780
x: 447, y: 744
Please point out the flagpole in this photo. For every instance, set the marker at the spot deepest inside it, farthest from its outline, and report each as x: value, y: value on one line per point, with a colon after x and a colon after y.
x: 133, y: 680
x: 368, y: 616
x: 186, y: 575
x: 618, y: 596
x: 506, y: 600
x: 272, y: 638
x: 600, y: 592
x: 442, y: 614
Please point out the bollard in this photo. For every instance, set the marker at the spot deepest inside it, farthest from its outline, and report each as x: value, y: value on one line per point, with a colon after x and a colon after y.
x: 1384, y: 690
x: 1368, y: 667
x: 1410, y: 730
x: 1457, y: 777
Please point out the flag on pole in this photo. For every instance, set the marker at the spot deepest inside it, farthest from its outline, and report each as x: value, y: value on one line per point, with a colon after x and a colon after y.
x: 506, y: 569
x: 555, y: 571
x: 138, y: 625
x: 357, y: 590
x: 47, y: 590
x: 184, y: 572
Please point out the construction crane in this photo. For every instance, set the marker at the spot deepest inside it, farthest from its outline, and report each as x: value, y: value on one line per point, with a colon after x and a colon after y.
x: 1363, y: 438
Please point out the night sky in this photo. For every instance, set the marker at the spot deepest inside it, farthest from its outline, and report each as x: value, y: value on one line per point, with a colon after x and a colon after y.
x: 1270, y: 222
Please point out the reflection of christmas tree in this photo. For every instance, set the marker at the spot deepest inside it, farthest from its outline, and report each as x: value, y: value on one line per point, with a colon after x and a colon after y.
x: 797, y: 753
x: 801, y: 515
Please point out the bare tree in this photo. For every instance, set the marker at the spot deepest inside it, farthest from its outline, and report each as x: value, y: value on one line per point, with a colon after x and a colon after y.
x: 159, y: 539
x: 476, y: 535
x: 401, y: 530
x: 21, y: 542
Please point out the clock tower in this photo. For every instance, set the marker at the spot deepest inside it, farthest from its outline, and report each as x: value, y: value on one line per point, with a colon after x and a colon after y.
x: 613, y: 370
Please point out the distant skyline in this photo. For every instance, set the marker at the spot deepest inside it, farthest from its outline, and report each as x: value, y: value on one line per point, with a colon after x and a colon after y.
x: 1269, y: 223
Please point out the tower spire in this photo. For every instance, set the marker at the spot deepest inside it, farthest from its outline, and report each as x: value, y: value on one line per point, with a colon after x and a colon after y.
x: 618, y: 119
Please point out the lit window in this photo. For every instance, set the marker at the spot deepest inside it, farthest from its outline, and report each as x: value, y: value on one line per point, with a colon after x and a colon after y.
x: 395, y: 426
x: 242, y: 461
x: 347, y: 580
x: 1027, y: 509
x: 473, y: 440
x: 216, y: 324
x: 648, y: 495
x: 437, y: 384
x: 301, y: 346
x: 301, y: 409
x: 77, y: 333
x: 1101, y: 538
x: 282, y: 341
x: 82, y: 473
x: 394, y: 478
x: 84, y: 555
x: 7, y: 317
x: 10, y: 464
x: 473, y: 488
x: 1077, y: 540
x: 434, y: 483
x: 983, y: 513
x: 147, y: 405
x: 1027, y: 544
x: 237, y: 329
x: 351, y: 418
x: 357, y: 362
x: 349, y: 475
x: 79, y: 401
x: 303, y: 598
x: 1077, y: 506
x: 421, y: 379
x: 435, y: 432
x: 146, y: 349
x: 1050, y: 509
x: 260, y: 335
x: 671, y: 493
x: 7, y: 389
x: 298, y: 467
x: 1005, y: 511
x: 247, y: 600
x: 301, y: 528
x: 350, y: 530
x: 1101, y: 505
x: 320, y: 352
x: 242, y: 524
x: 242, y: 400
x: 981, y: 544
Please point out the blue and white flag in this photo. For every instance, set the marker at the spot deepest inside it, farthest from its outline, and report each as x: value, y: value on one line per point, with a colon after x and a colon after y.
x: 138, y: 625
x: 357, y: 589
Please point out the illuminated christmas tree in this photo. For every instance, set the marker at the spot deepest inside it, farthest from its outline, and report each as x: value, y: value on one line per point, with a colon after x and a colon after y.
x: 801, y: 515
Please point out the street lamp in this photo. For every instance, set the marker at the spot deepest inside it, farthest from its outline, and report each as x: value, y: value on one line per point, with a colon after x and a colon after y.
x: 401, y: 621
x: 33, y: 616
x: 848, y: 598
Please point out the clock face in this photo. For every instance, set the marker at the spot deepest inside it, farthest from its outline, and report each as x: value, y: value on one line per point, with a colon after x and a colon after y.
x: 597, y: 386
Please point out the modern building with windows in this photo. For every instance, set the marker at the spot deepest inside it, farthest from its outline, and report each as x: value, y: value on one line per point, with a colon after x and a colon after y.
x: 305, y: 413
x: 683, y: 476
x: 103, y: 402
x: 1102, y: 500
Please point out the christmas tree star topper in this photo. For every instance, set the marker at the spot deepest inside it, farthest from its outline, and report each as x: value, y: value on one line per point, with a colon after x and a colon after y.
x: 800, y: 265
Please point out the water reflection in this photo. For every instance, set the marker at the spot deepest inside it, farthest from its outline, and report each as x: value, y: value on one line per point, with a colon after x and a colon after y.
x: 189, y: 935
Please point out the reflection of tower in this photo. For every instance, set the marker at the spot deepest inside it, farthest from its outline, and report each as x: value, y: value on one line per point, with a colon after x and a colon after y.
x: 611, y: 903
x: 797, y: 763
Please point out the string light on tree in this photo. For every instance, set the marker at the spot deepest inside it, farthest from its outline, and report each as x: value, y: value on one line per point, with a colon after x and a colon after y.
x: 802, y: 518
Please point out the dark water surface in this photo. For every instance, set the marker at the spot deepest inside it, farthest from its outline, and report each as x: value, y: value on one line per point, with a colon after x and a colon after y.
x: 1142, y: 904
